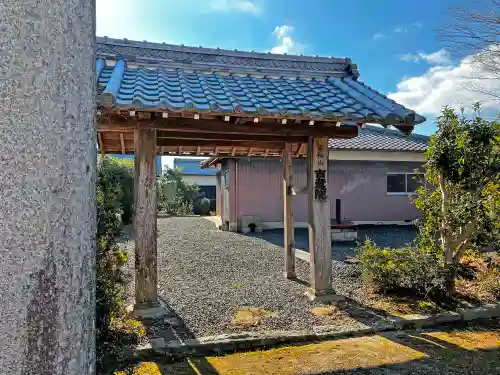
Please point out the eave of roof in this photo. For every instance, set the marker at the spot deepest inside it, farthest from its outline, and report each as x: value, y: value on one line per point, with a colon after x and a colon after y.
x: 160, y: 77
x: 370, y: 138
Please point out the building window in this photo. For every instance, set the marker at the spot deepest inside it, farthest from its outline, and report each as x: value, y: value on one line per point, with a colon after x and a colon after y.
x: 403, y: 183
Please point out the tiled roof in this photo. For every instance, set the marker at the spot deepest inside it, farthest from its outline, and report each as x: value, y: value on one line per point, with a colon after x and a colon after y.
x: 151, y: 76
x: 372, y: 138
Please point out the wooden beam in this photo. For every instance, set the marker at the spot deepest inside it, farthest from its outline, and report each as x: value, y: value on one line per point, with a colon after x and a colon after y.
x: 249, y: 151
x: 288, y: 213
x: 144, y: 115
x: 320, y: 241
x: 230, y: 137
x: 146, y: 277
x: 212, y: 143
x: 299, y: 151
x: 327, y: 129
x: 267, y: 152
x: 233, y: 151
x: 101, y: 145
x: 122, y: 142
x: 180, y: 148
x: 198, y: 149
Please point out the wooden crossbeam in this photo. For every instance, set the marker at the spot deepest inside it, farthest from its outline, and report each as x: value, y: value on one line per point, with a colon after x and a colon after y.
x: 215, y: 143
x: 233, y: 151
x: 185, y: 125
x: 299, y: 151
x: 232, y: 137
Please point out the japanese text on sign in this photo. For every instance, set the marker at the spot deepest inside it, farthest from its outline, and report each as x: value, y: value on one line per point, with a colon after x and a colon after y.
x: 321, y: 155
x: 320, y: 192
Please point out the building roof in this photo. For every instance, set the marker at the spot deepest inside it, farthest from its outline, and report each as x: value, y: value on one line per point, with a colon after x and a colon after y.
x: 162, y: 77
x: 191, y: 166
x: 374, y: 138
x: 370, y: 138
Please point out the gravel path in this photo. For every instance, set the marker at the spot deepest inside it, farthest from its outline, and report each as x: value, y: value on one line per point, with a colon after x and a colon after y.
x: 205, y: 276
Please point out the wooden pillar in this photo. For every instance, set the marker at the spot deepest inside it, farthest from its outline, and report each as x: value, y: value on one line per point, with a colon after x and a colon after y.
x: 320, y: 242
x: 288, y: 213
x: 145, y: 219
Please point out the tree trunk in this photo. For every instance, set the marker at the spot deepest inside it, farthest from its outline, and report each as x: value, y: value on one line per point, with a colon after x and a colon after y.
x: 450, y: 274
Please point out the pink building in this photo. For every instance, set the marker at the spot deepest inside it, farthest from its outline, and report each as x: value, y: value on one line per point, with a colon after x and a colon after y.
x: 370, y: 179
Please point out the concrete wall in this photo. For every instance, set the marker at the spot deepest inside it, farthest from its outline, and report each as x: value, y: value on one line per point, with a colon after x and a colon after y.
x: 200, y: 180
x: 47, y: 174
x: 361, y: 186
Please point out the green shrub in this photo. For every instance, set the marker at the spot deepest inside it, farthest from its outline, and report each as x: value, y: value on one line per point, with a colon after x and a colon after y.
x: 175, y: 195
x: 204, y: 206
x: 407, y: 269
x: 112, y: 185
x: 119, y: 172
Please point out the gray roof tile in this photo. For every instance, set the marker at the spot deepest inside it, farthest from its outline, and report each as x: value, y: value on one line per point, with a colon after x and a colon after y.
x: 178, y: 78
x: 373, y: 138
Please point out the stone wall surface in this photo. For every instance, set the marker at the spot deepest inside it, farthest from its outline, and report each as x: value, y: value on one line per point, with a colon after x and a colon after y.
x: 47, y: 187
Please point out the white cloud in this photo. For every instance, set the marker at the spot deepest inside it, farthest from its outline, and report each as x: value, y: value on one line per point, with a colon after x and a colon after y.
x: 446, y: 85
x: 380, y: 36
x: 284, y: 41
x: 441, y: 56
x: 400, y: 29
x: 406, y: 28
x: 242, y: 6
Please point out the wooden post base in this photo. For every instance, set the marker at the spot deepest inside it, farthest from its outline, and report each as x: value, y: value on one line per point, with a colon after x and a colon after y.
x: 152, y: 312
x: 323, y: 296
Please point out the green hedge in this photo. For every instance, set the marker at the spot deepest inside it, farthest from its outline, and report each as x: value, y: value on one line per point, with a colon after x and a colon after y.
x: 406, y: 269
x: 119, y: 172
x: 113, y: 204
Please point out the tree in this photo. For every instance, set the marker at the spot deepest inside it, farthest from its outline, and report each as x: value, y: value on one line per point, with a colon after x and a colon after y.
x: 460, y: 201
x: 474, y: 30
x: 186, y: 193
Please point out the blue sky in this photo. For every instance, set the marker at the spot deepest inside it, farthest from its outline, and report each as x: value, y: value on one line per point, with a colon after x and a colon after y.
x: 393, y: 42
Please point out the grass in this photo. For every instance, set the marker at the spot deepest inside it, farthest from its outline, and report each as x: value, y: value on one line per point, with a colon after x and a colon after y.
x: 325, y: 311
x: 404, y: 306
x: 246, y: 317
x: 471, y: 349
x: 236, y: 286
x: 142, y: 368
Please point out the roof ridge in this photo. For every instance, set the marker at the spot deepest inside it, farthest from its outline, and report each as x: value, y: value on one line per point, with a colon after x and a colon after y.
x: 221, y: 51
x: 395, y: 132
